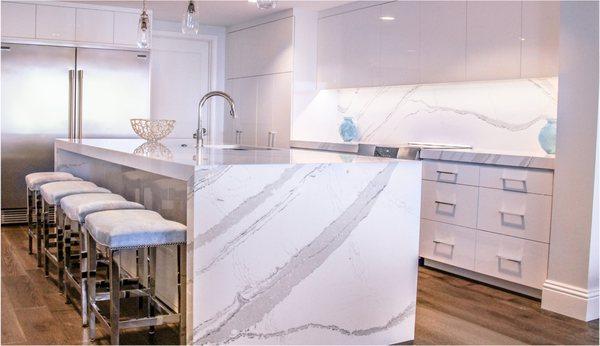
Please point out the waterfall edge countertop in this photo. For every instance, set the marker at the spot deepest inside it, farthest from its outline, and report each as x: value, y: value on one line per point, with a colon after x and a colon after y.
x: 283, y: 246
x: 179, y: 158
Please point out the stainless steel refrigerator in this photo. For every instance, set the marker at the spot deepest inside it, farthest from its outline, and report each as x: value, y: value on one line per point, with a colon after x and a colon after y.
x: 53, y: 92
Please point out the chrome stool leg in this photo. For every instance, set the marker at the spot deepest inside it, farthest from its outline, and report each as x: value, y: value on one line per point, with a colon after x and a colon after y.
x: 30, y: 224
x: 91, y: 283
x: 46, y: 237
x: 39, y: 224
x: 182, y: 285
x: 115, y: 295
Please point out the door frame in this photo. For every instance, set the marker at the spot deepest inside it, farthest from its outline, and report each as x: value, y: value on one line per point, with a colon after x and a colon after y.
x: 212, y: 42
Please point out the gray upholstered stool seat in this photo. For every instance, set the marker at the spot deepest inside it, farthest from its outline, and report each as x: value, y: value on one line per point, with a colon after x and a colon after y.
x: 119, y: 229
x: 78, y: 206
x: 52, y: 193
x: 35, y: 180
x: 116, y: 230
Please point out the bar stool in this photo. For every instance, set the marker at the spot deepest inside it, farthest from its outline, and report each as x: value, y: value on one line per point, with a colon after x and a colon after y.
x: 33, y: 182
x: 52, y: 193
x: 115, y: 230
x: 76, y: 208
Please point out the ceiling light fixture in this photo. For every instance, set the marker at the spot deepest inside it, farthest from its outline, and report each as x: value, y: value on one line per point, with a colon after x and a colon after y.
x: 144, y: 29
x: 190, y: 23
x: 264, y: 4
x: 387, y: 18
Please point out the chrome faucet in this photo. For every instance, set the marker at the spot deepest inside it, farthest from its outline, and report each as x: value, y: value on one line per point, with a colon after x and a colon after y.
x: 201, y: 131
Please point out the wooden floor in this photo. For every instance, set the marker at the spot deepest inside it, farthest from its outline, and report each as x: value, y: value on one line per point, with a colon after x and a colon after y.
x: 450, y: 310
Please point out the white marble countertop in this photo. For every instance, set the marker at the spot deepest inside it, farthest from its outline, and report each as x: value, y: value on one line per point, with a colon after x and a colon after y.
x: 178, y: 158
x: 491, y: 157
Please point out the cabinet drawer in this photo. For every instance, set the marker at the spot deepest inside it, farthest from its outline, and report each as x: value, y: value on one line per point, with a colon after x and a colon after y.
x: 449, y: 244
x: 451, y: 203
x: 517, y: 179
x: 516, y: 214
x: 522, y: 261
x: 451, y: 172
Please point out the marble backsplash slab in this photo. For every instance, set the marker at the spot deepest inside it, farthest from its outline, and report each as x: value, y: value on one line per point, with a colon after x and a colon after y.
x: 488, y: 115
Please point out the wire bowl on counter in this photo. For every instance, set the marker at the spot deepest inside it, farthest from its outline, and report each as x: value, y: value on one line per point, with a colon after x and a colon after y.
x: 152, y: 130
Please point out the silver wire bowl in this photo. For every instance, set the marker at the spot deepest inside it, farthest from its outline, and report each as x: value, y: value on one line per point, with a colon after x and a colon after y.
x: 152, y: 130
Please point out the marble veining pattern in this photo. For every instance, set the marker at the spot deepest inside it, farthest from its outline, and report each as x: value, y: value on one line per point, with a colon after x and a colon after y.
x: 489, y: 115
x: 226, y: 250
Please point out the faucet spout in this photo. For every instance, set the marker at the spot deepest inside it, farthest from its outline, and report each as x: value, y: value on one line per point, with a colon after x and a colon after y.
x: 201, y: 131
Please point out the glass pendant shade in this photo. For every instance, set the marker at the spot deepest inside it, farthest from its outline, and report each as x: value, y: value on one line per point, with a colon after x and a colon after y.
x: 144, y: 30
x: 190, y: 23
x: 266, y: 4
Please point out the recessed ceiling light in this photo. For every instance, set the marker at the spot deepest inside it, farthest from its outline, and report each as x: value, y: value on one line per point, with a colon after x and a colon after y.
x: 382, y: 17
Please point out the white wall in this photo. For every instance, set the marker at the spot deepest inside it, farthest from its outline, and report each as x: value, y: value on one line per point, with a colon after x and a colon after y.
x: 572, y: 286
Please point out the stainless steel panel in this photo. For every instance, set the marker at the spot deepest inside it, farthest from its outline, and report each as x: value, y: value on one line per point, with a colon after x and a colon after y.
x: 35, y: 111
x: 114, y: 88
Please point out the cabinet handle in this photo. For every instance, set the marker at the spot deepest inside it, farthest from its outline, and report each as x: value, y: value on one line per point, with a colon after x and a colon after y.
x: 446, y: 203
x: 446, y: 172
x: 271, y: 139
x: 238, y: 136
x: 442, y: 242
x: 502, y: 213
x: 504, y: 187
x: 510, y: 259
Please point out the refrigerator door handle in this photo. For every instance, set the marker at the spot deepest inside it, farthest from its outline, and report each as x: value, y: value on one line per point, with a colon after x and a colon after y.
x: 79, y: 104
x: 71, y: 132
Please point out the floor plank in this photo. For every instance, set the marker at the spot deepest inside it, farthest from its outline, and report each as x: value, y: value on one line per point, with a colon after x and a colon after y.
x: 450, y: 310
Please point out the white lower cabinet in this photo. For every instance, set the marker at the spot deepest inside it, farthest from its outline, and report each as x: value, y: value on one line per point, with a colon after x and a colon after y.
x: 450, y: 203
x: 518, y: 260
x: 517, y: 214
x: 489, y: 220
x: 447, y: 243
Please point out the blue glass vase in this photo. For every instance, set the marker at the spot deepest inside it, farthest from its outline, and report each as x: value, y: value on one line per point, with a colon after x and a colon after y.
x: 348, y: 129
x: 547, y: 136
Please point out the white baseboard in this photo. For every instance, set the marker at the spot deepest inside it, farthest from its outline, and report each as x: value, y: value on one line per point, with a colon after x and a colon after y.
x: 490, y: 280
x: 572, y: 301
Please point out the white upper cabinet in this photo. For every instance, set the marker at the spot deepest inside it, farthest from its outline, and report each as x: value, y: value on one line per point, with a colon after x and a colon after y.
x: 443, y: 41
x: 242, y: 129
x: 360, y: 48
x: 89, y: 24
x: 18, y: 20
x: 125, y: 28
x: 493, y: 40
x: 329, y: 52
x: 399, y: 27
x: 273, y: 110
x: 55, y: 23
x: 94, y: 26
x: 262, y: 49
x: 541, y: 25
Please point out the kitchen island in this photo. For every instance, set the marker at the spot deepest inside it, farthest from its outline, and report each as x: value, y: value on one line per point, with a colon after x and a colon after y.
x: 284, y: 246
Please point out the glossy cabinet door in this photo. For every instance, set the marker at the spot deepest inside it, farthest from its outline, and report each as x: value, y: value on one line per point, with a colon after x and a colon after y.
x: 360, y: 48
x: 18, y: 20
x: 125, y: 28
x: 541, y: 26
x: 400, y: 51
x: 94, y: 26
x: 443, y: 41
x: 273, y: 110
x: 263, y: 49
x: 493, y: 40
x: 244, y: 92
x: 329, y: 52
x: 55, y: 23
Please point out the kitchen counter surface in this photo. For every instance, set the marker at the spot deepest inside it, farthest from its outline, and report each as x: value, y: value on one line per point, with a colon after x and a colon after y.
x: 491, y: 157
x: 178, y: 158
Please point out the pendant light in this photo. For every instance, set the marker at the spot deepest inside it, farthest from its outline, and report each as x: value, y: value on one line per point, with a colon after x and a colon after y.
x: 190, y: 23
x: 144, y: 29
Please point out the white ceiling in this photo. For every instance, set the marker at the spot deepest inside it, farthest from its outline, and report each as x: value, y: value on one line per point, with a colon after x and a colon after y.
x: 222, y: 13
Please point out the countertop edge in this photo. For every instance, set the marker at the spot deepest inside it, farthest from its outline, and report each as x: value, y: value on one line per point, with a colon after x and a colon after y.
x: 496, y: 159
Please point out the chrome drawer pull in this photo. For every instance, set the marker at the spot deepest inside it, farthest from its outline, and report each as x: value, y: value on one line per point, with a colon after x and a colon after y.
x: 504, y: 187
x: 446, y: 172
x: 443, y: 242
x: 446, y: 203
x: 511, y: 214
x: 516, y: 260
